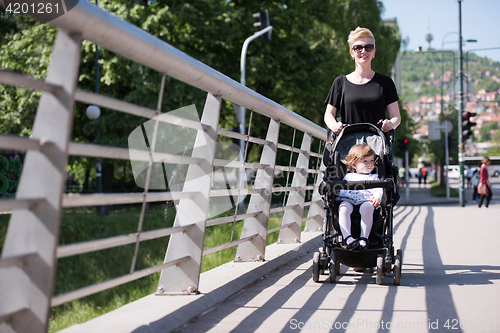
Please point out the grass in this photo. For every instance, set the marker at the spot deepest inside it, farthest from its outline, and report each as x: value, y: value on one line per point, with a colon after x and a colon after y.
x: 79, y: 225
x: 439, y: 191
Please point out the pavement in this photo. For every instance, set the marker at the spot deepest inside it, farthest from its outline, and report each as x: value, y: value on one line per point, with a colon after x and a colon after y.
x: 450, y: 281
x: 421, y: 194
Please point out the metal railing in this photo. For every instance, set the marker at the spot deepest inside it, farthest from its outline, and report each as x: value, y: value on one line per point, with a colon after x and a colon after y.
x: 30, y: 251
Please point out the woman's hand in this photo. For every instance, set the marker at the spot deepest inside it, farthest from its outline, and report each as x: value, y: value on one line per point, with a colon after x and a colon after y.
x: 337, y: 127
x: 375, y: 202
x: 387, y: 125
x: 330, y: 121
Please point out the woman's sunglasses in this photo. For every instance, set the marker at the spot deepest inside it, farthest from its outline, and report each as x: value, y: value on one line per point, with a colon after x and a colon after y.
x: 367, y: 47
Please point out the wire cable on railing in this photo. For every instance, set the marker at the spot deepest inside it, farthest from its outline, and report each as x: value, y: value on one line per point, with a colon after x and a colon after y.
x: 288, y: 175
x: 152, y: 148
x: 240, y: 183
x: 317, y: 168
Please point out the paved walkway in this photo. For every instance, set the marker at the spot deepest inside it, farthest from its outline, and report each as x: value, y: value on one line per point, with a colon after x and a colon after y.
x: 421, y: 195
x: 450, y: 282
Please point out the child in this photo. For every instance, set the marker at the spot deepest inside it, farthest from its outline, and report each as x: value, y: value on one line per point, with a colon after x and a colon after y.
x: 361, y: 160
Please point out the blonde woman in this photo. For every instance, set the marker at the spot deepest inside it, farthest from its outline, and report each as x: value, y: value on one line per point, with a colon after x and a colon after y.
x: 365, y: 94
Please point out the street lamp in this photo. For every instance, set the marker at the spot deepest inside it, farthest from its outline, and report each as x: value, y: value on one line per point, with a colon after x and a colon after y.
x: 265, y: 32
x: 442, y: 68
x: 467, y: 56
x: 460, y: 109
x: 93, y: 112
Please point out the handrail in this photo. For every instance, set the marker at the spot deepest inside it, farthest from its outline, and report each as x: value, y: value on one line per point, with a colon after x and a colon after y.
x: 192, y: 203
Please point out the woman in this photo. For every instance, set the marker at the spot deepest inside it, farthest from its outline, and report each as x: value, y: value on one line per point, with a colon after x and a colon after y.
x: 483, y: 179
x: 367, y: 94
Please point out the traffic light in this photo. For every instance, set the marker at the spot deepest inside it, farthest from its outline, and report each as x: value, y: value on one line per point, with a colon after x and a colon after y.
x: 263, y: 23
x: 467, y: 124
x: 403, y: 144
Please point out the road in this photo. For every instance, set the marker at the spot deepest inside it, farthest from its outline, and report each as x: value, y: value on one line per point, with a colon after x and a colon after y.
x: 450, y: 283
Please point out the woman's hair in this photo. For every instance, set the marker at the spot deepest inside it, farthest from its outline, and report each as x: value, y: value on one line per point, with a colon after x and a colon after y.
x: 359, y: 33
x: 356, y: 153
x: 486, y: 160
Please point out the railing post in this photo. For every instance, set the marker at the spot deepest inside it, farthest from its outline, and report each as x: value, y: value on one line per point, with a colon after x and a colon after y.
x: 316, y: 210
x: 254, y: 250
x: 295, y: 216
x: 26, y: 288
x: 184, y: 277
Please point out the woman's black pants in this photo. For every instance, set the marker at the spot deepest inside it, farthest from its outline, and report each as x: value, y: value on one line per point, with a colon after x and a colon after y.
x: 488, y: 197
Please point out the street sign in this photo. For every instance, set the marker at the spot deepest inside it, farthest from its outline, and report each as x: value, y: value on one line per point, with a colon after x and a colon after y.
x: 446, y: 126
x: 434, y: 132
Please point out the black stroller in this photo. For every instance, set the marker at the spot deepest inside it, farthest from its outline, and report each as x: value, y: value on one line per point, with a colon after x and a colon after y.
x: 380, y: 250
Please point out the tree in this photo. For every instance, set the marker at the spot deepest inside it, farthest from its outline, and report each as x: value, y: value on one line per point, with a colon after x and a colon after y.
x: 486, y: 129
x: 296, y: 69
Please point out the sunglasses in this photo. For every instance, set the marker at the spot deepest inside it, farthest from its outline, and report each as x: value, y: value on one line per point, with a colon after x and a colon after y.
x: 367, y: 47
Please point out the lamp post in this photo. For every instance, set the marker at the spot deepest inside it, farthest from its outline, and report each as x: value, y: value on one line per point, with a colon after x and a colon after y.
x: 467, y: 56
x: 93, y: 112
x: 442, y: 67
x: 243, y: 78
x: 460, y: 109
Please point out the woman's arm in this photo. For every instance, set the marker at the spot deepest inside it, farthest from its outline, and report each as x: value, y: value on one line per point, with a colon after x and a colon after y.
x: 394, y: 117
x: 330, y: 121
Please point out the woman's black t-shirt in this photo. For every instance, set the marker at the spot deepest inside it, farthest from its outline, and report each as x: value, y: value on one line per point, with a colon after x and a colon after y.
x: 363, y: 103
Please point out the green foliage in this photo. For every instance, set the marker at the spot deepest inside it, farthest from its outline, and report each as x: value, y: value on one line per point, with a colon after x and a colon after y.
x: 421, y: 73
x: 494, y: 150
x: 439, y: 191
x: 4, y: 222
x: 485, y: 131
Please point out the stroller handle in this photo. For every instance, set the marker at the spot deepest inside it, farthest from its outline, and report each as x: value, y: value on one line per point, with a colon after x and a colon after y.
x: 327, y: 186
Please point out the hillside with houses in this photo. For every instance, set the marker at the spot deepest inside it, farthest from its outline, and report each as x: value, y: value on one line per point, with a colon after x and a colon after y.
x: 425, y: 95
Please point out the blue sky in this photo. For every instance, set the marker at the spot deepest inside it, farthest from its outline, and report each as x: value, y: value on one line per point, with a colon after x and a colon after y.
x: 480, y: 20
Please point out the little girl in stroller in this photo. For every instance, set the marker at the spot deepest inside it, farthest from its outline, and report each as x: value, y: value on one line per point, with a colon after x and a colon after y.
x: 360, y: 162
x: 363, y: 239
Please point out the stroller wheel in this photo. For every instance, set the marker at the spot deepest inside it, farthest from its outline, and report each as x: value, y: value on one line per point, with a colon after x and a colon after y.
x: 334, y: 267
x: 399, y: 252
x: 322, y: 256
x: 380, y: 268
x: 397, y: 269
x: 316, y: 267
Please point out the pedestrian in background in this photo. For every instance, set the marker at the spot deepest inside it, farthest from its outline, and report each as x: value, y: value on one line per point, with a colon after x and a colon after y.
x: 475, y: 183
x: 424, y: 174
x: 419, y: 176
x: 484, y: 181
x: 402, y: 175
x: 470, y: 173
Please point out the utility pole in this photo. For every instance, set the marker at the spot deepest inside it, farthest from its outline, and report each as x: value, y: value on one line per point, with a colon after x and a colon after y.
x: 461, y: 108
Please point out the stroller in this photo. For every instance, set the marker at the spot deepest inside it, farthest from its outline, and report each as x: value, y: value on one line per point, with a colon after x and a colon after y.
x: 380, y: 250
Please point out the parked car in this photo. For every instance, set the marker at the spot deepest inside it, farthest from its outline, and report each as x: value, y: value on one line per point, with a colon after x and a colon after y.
x: 455, y: 171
